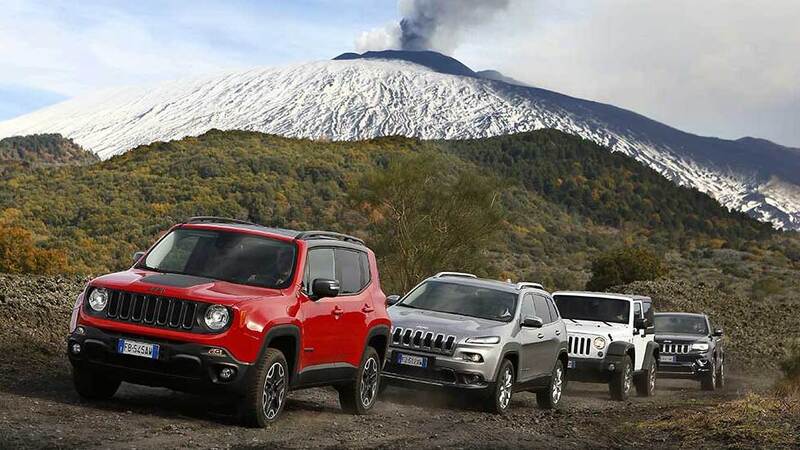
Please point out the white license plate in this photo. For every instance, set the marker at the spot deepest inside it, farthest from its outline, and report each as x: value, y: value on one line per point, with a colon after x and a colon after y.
x: 411, y: 360
x: 667, y: 359
x: 571, y: 364
x: 135, y: 348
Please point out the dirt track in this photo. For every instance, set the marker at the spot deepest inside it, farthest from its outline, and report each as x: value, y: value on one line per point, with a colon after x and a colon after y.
x: 40, y: 409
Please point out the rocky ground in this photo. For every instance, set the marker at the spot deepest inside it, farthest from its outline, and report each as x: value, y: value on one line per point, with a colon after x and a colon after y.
x: 38, y: 407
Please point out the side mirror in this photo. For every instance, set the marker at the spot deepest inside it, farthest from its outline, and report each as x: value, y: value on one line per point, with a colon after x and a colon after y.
x: 137, y: 256
x: 323, y: 288
x: 392, y: 299
x: 532, y: 322
x: 640, y: 323
x: 717, y: 332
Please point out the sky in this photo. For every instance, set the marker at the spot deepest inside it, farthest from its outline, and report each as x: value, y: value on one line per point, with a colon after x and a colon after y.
x: 727, y: 68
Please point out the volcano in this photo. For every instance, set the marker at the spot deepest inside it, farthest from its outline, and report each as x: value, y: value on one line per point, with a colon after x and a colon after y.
x: 420, y: 94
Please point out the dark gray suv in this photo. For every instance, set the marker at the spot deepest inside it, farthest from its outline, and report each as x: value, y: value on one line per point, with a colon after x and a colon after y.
x: 457, y: 331
x: 690, y: 348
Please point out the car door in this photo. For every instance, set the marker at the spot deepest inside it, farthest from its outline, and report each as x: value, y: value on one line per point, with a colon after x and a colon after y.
x: 531, y: 341
x: 551, y: 331
x: 640, y: 337
x: 354, y: 300
x: 321, y: 326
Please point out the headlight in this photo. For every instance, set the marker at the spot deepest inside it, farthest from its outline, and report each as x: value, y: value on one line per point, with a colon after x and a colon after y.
x: 217, y: 316
x: 98, y: 299
x: 484, y: 340
x: 700, y: 346
x: 599, y: 342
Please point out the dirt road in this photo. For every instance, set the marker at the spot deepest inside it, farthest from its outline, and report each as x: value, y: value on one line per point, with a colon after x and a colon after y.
x: 38, y: 408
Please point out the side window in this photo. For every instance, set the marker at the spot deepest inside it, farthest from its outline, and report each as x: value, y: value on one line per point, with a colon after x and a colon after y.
x: 364, y: 264
x: 348, y: 270
x: 553, y: 310
x: 320, y: 265
x: 527, y: 306
x: 637, y: 310
x: 542, y: 310
x: 649, y: 314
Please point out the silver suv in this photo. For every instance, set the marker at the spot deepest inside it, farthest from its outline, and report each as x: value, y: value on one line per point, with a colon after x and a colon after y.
x: 457, y: 331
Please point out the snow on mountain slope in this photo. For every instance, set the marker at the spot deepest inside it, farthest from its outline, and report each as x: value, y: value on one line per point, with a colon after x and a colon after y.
x: 364, y: 97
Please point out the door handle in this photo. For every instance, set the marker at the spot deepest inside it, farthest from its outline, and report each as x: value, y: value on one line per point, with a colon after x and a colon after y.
x: 558, y: 332
x: 540, y: 336
x: 338, y: 312
x: 367, y: 308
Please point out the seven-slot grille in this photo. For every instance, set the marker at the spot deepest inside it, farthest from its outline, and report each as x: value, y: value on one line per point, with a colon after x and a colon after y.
x: 423, y: 340
x: 579, y: 345
x: 675, y: 348
x: 152, y: 310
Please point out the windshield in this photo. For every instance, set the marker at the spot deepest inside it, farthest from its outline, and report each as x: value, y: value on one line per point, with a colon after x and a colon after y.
x: 221, y: 255
x: 680, y: 324
x: 484, y: 303
x: 600, y: 309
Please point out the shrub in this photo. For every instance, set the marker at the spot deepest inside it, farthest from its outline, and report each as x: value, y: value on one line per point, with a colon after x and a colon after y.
x: 790, y: 365
x: 19, y: 253
x: 625, y: 265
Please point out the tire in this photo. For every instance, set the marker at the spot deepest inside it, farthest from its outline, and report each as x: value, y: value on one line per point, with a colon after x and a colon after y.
x: 265, y: 394
x: 721, y: 373
x: 551, y: 398
x: 709, y: 380
x: 621, y: 381
x: 646, y: 382
x: 359, y: 396
x: 498, y: 398
x: 93, y: 385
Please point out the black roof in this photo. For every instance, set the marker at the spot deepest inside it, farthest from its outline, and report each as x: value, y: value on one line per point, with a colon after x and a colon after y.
x: 299, y: 235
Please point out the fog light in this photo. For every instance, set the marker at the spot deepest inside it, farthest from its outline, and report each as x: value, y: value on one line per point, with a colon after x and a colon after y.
x: 75, y: 348
x: 226, y: 373
x: 80, y: 330
x: 600, y: 354
x: 472, y: 357
x: 611, y: 367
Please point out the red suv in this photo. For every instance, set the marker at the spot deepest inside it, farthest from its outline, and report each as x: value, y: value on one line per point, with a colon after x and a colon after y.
x: 234, y: 306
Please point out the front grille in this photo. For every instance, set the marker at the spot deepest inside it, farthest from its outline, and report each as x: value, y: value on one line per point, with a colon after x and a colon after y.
x: 579, y: 345
x: 676, y: 349
x: 423, y: 340
x: 442, y: 375
x: 152, y: 310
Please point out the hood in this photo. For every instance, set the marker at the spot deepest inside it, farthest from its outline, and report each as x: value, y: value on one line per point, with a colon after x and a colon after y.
x: 595, y: 328
x: 445, y: 323
x: 183, y: 286
x: 681, y: 338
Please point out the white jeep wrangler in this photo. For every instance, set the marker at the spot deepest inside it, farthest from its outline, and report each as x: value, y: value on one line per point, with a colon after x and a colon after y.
x: 611, y: 340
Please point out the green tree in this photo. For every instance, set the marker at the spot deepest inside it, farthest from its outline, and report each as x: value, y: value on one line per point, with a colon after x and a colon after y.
x: 427, y: 213
x: 624, y: 265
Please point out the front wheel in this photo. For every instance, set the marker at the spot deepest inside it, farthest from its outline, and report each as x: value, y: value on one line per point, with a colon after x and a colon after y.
x: 550, y: 398
x: 359, y: 396
x: 499, y: 398
x: 646, y: 381
x: 621, y: 381
x: 709, y: 380
x: 266, y: 393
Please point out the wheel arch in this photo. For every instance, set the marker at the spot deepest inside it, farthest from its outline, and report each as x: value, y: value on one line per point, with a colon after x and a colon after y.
x: 285, y: 338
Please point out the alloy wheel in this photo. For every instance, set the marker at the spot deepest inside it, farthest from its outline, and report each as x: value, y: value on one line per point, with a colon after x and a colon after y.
x: 274, y: 391
x: 506, y: 384
x: 558, y: 384
x: 369, y: 382
x: 628, y: 380
x: 651, y: 378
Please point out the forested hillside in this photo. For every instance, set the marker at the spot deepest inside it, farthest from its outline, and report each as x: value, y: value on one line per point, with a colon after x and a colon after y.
x: 40, y: 150
x: 565, y: 199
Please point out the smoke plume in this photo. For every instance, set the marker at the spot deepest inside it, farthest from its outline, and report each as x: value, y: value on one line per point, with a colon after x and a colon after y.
x: 430, y: 24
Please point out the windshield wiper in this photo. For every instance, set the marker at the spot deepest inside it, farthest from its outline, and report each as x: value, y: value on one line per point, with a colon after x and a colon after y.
x: 573, y: 320
x: 606, y: 323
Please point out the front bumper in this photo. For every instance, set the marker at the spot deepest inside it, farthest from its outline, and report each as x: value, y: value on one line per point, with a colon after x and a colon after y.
x: 593, y: 370
x: 684, y: 366
x: 448, y: 372
x: 179, y: 365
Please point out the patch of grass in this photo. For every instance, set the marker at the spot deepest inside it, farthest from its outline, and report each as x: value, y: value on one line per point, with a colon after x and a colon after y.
x: 789, y: 386
x: 762, y: 421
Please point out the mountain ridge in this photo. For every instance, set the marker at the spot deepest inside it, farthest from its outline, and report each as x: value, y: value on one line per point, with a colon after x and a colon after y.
x: 414, y: 94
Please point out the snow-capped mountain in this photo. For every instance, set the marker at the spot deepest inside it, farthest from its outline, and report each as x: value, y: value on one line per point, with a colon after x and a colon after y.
x: 421, y: 94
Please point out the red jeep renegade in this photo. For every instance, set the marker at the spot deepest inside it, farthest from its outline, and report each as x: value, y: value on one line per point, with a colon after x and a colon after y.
x: 234, y: 306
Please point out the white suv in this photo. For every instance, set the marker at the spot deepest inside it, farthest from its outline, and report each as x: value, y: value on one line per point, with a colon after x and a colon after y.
x: 611, y: 340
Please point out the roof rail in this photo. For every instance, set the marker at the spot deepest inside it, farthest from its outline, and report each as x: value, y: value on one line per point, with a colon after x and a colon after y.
x: 199, y: 219
x: 307, y: 235
x: 454, y: 274
x: 524, y: 284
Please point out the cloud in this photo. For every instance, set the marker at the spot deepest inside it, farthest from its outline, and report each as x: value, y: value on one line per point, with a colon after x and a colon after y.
x: 718, y: 67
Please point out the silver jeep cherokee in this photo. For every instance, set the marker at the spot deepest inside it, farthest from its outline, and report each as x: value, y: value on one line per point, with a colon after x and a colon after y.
x: 455, y: 330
